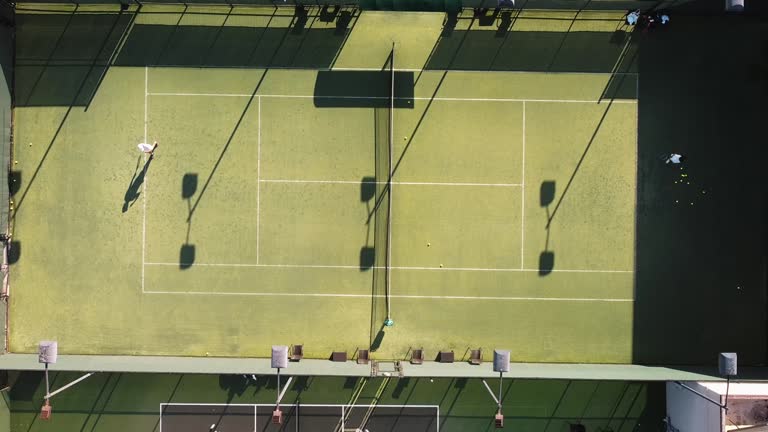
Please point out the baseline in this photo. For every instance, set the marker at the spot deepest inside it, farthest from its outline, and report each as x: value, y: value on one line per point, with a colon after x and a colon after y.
x: 437, y: 98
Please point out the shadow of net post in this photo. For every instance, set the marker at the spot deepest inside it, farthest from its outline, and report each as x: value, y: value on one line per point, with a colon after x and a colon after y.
x: 546, y: 257
x: 188, y: 189
x: 367, y: 193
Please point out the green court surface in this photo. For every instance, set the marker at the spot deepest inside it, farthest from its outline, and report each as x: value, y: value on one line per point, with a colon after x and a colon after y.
x: 133, y: 402
x: 254, y: 224
x: 267, y: 214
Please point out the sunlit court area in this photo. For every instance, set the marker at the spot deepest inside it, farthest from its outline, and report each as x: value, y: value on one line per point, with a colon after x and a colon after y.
x: 397, y: 194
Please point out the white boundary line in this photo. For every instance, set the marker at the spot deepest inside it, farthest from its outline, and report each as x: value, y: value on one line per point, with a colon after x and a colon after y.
x: 258, y: 184
x: 144, y: 185
x: 522, y: 205
x: 203, y: 404
x: 354, y: 267
x: 403, y: 296
x: 363, y: 69
x: 619, y: 101
x: 357, y: 182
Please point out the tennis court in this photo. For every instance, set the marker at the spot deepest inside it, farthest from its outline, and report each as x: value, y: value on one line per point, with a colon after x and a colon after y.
x: 306, y: 206
x: 298, y: 417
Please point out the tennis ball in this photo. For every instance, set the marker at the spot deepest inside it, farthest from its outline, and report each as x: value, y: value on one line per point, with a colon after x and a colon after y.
x: 429, y: 244
x: 441, y: 266
x: 405, y: 138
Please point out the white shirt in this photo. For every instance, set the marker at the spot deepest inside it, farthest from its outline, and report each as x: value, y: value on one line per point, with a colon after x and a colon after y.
x: 664, y: 19
x: 146, y: 148
x: 675, y: 158
x: 632, y: 18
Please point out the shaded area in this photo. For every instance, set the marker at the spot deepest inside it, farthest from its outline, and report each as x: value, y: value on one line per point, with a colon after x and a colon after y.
x: 534, y: 51
x: 702, y: 243
x: 60, y: 57
x: 188, y: 190
x: 367, y: 89
x: 546, y: 197
x: 231, y: 46
x: 188, y: 418
x: 132, y: 400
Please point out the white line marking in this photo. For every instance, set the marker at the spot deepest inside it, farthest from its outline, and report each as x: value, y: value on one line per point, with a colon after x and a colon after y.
x: 203, y: 404
x: 440, y: 71
x: 144, y: 185
x: 622, y: 101
x: 258, y: 183
x: 324, y: 266
x: 425, y: 297
x: 357, y: 182
x: 522, y: 206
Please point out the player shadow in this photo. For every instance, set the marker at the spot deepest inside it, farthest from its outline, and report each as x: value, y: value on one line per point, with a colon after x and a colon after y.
x: 137, y: 180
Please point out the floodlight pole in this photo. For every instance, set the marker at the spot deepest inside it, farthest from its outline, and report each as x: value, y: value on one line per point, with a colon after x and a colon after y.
x: 501, y: 375
x: 49, y: 394
x: 705, y: 397
x: 278, y: 389
x: 47, y: 386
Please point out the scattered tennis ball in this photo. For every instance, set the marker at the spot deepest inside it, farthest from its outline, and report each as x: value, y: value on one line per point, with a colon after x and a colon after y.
x: 704, y: 192
x: 405, y: 138
x: 441, y: 266
x: 429, y: 244
x: 691, y: 203
x: 30, y: 144
x: 207, y: 353
x: 688, y: 183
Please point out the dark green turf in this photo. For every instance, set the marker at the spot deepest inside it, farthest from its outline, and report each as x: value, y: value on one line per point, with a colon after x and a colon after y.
x: 131, y: 402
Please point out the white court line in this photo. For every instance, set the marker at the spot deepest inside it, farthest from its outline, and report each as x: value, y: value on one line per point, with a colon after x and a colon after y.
x: 595, y: 101
x: 144, y: 185
x: 258, y: 183
x: 423, y: 297
x: 204, y: 404
x: 324, y: 266
x: 357, y: 182
x: 479, y: 71
x: 440, y: 71
x: 522, y: 206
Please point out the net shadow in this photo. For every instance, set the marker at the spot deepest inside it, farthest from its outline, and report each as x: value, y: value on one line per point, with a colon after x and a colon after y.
x: 363, y: 89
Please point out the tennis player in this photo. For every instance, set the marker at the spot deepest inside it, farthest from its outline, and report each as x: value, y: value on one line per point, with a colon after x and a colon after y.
x: 148, y: 148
